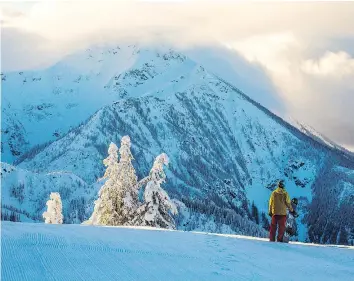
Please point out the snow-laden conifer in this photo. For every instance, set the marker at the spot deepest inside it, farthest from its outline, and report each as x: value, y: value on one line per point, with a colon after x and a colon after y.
x: 158, y: 207
x: 105, y: 210
x: 54, y: 214
x: 127, y: 181
x: 118, y: 197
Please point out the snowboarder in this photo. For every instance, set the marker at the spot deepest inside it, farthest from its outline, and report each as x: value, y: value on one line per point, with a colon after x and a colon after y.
x: 278, y: 203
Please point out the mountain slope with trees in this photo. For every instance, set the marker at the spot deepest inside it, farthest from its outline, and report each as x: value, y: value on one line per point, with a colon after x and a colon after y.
x: 226, y: 151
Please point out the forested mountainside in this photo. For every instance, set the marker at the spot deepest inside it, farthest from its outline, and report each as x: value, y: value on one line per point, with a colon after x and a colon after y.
x: 226, y: 151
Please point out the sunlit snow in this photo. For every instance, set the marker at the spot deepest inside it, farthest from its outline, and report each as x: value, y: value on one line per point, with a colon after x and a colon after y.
x: 74, y: 252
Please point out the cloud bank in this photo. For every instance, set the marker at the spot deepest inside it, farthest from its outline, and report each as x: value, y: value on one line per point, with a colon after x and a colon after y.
x: 306, y: 49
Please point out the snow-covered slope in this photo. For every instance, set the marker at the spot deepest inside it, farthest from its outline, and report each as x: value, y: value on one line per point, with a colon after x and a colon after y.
x: 26, y: 193
x: 311, y: 132
x: 226, y: 150
x: 73, y: 252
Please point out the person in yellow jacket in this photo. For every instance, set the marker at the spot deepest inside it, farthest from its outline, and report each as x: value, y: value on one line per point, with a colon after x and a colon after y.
x: 279, y: 202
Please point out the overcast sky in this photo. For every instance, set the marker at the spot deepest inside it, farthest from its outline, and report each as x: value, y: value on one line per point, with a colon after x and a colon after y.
x: 305, y: 49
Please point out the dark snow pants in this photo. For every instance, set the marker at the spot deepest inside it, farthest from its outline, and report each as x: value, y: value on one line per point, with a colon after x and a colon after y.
x: 277, y: 221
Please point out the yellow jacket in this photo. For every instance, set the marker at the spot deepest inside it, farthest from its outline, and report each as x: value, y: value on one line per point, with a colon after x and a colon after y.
x: 279, y: 201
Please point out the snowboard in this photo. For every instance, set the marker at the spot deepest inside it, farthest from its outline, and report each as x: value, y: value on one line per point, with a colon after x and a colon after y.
x: 290, y: 227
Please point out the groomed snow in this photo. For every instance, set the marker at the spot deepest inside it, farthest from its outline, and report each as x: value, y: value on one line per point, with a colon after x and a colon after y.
x: 77, y: 252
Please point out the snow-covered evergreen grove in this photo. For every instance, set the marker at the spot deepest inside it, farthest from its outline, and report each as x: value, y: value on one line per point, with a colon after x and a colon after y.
x: 118, y: 202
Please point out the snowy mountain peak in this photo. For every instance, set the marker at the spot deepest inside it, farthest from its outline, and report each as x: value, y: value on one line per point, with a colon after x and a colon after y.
x: 226, y: 151
x: 41, y: 106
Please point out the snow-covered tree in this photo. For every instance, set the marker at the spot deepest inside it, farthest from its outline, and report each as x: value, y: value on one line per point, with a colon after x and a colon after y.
x: 127, y: 181
x: 104, y: 212
x: 118, y: 197
x: 54, y: 209
x: 158, y: 207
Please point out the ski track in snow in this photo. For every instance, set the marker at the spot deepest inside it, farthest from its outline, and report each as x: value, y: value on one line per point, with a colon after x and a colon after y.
x: 74, y: 252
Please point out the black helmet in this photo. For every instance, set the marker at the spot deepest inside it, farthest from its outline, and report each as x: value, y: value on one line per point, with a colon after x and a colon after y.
x: 281, y: 184
x: 294, y: 200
